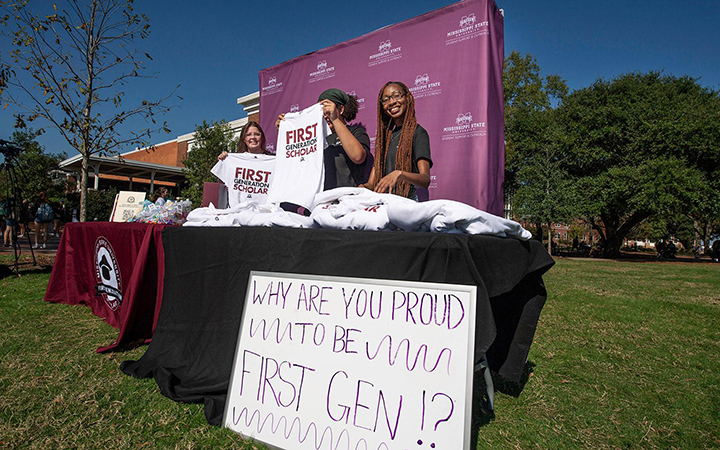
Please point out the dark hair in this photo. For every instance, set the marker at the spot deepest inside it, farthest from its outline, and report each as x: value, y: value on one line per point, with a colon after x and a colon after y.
x: 160, y: 192
x: 241, y: 146
x: 403, y: 156
x: 351, y: 108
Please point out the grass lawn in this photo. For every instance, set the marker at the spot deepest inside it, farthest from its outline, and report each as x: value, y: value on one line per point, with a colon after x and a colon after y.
x: 626, y: 355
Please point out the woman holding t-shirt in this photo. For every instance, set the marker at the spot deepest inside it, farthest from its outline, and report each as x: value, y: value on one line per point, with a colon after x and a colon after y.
x: 346, y: 155
x: 402, y: 146
x: 252, y: 140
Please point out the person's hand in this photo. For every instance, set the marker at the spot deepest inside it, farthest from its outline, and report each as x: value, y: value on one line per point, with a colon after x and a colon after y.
x: 280, y: 118
x: 330, y: 111
x: 388, y: 182
x: 222, y: 156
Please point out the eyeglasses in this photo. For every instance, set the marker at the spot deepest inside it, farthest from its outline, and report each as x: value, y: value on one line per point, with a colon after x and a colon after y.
x: 397, y: 96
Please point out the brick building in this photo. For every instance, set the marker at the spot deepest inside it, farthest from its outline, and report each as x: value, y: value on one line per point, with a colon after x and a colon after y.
x: 157, y: 165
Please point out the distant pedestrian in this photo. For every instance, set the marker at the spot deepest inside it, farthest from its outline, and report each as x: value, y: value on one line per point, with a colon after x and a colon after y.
x: 161, y: 196
x: 43, y: 218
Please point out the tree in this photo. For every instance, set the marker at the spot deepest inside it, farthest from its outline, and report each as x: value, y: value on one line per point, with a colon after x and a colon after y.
x: 640, y: 145
x: 33, y: 168
x: 210, y: 141
x: 545, y: 193
x: 526, y: 94
x: 537, y: 184
x: 69, y: 67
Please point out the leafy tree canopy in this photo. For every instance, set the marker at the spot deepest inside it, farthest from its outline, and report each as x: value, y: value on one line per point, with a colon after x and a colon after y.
x: 210, y: 141
x: 638, y: 146
x: 33, y: 168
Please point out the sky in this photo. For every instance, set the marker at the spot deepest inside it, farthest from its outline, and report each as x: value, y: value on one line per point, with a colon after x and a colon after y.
x: 214, y: 49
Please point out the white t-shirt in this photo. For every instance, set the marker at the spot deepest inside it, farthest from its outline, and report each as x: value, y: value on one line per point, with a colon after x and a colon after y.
x: 299, y: 168
x: 247, y: 177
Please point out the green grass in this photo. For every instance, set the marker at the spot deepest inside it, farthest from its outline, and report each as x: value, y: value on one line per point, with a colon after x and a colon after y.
x: 627, y: 355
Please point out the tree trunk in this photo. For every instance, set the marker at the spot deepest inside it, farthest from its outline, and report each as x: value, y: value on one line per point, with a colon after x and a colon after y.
x: 550, y: 238
x: 84, y: 186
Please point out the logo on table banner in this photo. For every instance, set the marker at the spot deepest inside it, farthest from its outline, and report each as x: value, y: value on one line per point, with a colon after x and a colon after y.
x: 464, y: 128
x: 251, y: 181
x: 107, y: 274
x: 131, y: 199
x: 295, y: 108
x: 468, y: 28
x: 425, y: 88
x: 301, y: 142
x: 273, y: 86
x: 323, y: 72
x: 433, y: 182
x: 361, y: 101
x: 386, y: 53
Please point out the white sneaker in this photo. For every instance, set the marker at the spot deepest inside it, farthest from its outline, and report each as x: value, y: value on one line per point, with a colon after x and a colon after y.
x: 44, y: 246
x: 35, y: 246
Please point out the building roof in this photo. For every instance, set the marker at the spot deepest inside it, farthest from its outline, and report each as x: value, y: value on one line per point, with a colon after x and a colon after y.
x: 117, y: 165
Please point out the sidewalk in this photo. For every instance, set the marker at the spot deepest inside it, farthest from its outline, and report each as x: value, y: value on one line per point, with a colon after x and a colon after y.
x: 52, y: 245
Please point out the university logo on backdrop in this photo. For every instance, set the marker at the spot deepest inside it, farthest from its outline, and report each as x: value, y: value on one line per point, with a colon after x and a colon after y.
x: 107, y: 274
x: 465, y: 127
x: 386, y: 53
x: 323, y: 72
x: 273, y: 86
x: 361, y: 101
x: 295, y: 108
x: 424, y: 87
x: 270, y: 147
x: 468, y: 28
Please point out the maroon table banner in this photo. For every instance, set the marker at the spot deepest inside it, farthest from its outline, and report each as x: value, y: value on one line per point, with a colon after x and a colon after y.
x: 117, y: 270
x: 451, y: 59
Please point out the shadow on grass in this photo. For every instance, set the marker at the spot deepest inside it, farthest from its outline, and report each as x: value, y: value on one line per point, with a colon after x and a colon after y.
x: 25, y: 266
x: 482, y: 414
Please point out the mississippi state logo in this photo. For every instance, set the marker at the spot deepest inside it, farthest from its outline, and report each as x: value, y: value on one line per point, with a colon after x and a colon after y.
x: 422, y: 80
x: 272, y: 81
x: 322, y: 65
x: 384, y: 46
x: 463, y: 119
x: 295, y: 108
x: 468, y: 20
x: 107, y: 274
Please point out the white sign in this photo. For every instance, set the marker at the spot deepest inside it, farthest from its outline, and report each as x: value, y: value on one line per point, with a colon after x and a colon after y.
x: 350, y: 363
x: 127, y: 204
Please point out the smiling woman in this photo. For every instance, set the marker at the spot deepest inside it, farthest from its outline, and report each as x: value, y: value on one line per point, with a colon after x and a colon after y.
x: 402, y: 146
x: 252, y: 140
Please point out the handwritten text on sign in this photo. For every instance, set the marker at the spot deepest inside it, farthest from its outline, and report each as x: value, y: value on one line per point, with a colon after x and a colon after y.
x: 349, y: 363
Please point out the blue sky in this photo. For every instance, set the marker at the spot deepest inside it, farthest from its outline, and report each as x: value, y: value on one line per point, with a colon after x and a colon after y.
x: 215, y: 49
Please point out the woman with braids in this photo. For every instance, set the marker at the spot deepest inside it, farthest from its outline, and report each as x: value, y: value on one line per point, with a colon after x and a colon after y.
x: 402, y: 147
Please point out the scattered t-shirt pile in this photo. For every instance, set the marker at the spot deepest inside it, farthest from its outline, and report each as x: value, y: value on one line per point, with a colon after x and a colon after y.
x: 362, y: 209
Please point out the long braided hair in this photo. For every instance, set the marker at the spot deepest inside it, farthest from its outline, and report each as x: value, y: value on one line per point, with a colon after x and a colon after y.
x: 385, y: 127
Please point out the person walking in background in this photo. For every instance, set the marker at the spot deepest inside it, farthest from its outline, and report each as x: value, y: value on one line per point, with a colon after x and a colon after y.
x: 42, y: 219
x: 59, y: 213
x: 10, y: 223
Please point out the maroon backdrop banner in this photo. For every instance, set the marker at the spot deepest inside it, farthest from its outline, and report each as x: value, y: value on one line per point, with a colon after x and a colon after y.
x: 451, y: 59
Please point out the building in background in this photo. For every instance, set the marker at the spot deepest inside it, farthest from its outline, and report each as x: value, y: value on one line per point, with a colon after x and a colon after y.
x: 157, y: 165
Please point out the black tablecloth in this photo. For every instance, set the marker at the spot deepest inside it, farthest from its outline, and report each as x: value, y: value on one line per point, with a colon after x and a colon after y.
x: 206, y: 275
